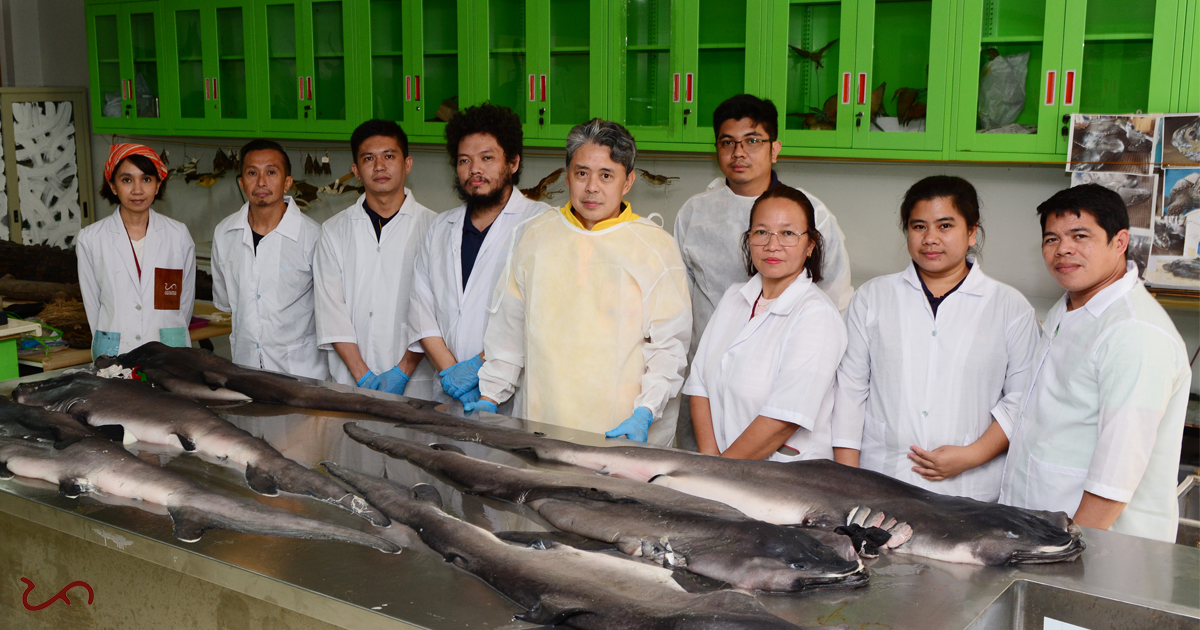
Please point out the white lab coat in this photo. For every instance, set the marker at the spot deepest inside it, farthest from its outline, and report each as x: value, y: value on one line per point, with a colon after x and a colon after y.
x: 709, y: 230
x: 1105, y: 412
x: 363, y: 286
x: 909, y: 379
x: 118, y: 301
x: 781, y: 364
x: 270, y: 293
x: 441, y: 306
x: 599, y: 322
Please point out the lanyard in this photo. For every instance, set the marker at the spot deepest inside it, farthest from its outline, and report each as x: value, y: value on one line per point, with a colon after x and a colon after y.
x: 135, y: 258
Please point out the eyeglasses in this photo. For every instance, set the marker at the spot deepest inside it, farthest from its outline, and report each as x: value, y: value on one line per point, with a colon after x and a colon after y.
x: 787, y: 238
x: 750, y: 144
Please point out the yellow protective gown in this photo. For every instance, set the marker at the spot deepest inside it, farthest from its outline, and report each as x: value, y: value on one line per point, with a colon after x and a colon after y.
x: 599, y: 321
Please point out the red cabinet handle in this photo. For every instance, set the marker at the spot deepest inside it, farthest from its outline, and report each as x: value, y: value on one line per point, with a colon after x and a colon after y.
x: 862, y: 88
x: 846, y: 88
x: 408, y: 87
x: 675, y: 89
x: 543, y: 88
x: 689, y: 88
x: 207, y: 90
x: 301, y: 83
x: 214, y: 80
x: 532, y: 81
x: 1069, y: 88
x: 1051, y: 76
x: 310, y: 97
x: 418, y: 86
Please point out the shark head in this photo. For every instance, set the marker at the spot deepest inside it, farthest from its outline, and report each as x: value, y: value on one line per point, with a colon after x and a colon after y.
x: 783, y: 559
x: 1003, y: 535
x: 58, y: 393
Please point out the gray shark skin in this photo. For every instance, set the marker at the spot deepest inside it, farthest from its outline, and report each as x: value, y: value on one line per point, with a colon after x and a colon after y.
x: 17, y: 420
x: 558, y: 584
x: 820, y: 493
x: 671, y: 528
x: 205, y: 377
x: 155, y: 417
x: 97, y: 465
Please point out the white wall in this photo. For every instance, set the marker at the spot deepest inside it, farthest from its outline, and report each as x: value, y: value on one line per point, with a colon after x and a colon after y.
x: 43, y: 43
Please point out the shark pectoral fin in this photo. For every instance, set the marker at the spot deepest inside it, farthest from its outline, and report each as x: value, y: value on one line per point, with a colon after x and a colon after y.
x: 213, y: 379
x: 5, y: 473
x: 551, y: 611
x: 428, y: 494
x: 867, y: 540
x: 261, y: 481
x: 187, y: 444
x: 190, y: 523
x: 70, y: 488
x: 448, y: 448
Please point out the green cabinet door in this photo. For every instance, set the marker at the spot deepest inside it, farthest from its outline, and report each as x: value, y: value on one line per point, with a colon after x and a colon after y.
x: 386, y: 88
x: 649, y: 69
x: 814, y: 96
x: 904, y: 47
x: 1001, y: 41
x: 1118, y: 57
x: 207, y: 71
x: 306, y: 51
x: 126, y: 63
x: 437, y: 80
x: 1186, y: 73
x: 567, y: 80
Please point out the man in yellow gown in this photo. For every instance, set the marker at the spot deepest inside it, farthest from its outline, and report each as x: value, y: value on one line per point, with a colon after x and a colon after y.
x: 591, y: 323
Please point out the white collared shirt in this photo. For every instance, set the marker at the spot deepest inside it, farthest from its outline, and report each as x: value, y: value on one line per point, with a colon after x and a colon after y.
x: 780, y: 364
x: 270, y: 293
x: 912, y: 379
x: 363, y: 285
x: 115, y: 298
x: 441, y: 306
x: 1105, y: 412
x: 709, y: 228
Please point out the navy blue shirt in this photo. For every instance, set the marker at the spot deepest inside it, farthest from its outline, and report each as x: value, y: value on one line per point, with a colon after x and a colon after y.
x: 377, y: 221
x: 935, y: 302
x: 472, y: 240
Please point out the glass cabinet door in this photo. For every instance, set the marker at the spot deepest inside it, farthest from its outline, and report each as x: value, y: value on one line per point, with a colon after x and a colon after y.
x: 1117, y: 57
x: 286, y: 78
x: 145, y: 78
x: 385, y: 89
x: 652, y: 77
x: 810, y: 78
x: 333, y: 104
x: 561, y: 35
x: 207, y: 52
x: 901, y: 74
x: 108, y: 89
x: 508, y: 82
x: 1005, y: 104
x: 718, y: 69
x: 435, y: 84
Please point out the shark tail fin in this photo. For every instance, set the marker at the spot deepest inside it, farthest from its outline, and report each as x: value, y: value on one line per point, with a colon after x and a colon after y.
x: 70, y: 488
x: 261, y: 481
x: 190, y: 523
x: 188, y: 445
x: 428, y: 494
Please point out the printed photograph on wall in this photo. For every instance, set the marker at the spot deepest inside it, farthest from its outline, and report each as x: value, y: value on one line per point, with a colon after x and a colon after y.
x: 1139, y: 249
x: 1180, y: 140
x: 1139, y: 192
x: 1118, y: 144
x: 1174, y: 272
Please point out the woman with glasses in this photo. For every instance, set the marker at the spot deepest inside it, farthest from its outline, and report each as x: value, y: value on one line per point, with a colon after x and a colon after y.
x: 762, y: 383
x: 939, y: 356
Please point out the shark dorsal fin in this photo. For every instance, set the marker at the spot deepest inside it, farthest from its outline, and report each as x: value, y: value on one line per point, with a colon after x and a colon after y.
x: 427, y: 494
x: 261, y: 481
x: 190, y: 523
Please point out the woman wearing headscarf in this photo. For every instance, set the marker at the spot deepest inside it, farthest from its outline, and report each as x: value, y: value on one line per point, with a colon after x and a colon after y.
x: 137, y: 268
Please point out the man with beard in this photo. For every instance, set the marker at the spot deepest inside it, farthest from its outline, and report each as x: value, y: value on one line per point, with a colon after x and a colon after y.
x: 465, y: 250
x: 592, y: 318
x: 262, y: 259
x: 364, y: 270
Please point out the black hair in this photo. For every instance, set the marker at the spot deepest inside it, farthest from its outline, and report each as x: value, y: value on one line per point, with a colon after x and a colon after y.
x: 498, y: 121
x: 761, y: 111
x: 145, y: 165
x: 1104, y: 205
x: 377, y: 127
x: 262, y: 144
x: 813, y: 264
x: 959, y: 191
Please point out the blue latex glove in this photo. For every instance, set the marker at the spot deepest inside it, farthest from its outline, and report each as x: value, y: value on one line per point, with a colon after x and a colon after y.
x: 470, y: 397
x: 370, y: 380
x: 461, y: 377
x: 480, y: 405
x: 635, y: 427
x: 393, y: 381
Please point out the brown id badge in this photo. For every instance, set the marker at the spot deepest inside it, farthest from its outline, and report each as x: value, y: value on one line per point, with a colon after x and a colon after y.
x: 168, y: 285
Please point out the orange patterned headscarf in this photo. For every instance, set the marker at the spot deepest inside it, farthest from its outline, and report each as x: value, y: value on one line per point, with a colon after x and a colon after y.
x: 119, y: 152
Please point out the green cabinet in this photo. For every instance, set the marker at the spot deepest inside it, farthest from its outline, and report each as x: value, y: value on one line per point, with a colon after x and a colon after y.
x: 304, y: 52
x: 567, y: 80
x: 210, y: 77
x: 1091, y: 56
x: 873, y: 58
x: 674, y: 68
x: 125, y: 55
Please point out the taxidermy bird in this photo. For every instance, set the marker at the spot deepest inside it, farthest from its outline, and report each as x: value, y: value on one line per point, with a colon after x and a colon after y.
x: 907, y: 108
x: 539, y: 192
x: 877, y: 109
x: 303, y: 193
x: 814, y: 57
x: 656, y: 180
x: 309, y: 166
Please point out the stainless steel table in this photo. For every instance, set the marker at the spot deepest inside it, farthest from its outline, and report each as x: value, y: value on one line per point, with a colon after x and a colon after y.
x: 144, y: 578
